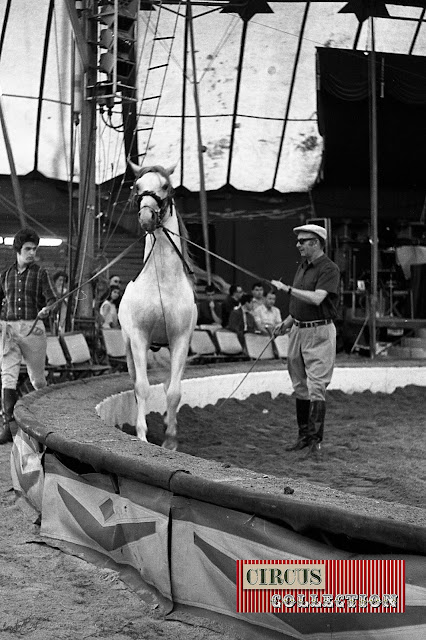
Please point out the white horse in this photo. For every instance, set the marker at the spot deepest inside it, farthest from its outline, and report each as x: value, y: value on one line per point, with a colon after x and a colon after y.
x: 158, y: 308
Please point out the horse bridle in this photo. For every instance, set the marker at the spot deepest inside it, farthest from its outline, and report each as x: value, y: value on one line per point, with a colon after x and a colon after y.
x: 162, y: 205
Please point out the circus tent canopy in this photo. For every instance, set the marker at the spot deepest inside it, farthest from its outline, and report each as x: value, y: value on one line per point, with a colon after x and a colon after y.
x: 256, y: 85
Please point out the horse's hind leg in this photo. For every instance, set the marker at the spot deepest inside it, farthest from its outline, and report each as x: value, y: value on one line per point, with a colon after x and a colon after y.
x: 178, y: 355
x: 138, y: 352
x: 129, y: 357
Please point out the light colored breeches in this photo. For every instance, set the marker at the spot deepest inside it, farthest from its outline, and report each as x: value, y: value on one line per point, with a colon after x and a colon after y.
x: 310, y: 360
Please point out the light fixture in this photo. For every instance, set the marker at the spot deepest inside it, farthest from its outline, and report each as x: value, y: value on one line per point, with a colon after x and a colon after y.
x: 50, y: 242
x: 44, y: 242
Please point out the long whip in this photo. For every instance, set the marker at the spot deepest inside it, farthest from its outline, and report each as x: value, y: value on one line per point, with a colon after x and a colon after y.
x: 248, y: 372
x: 96, y: 275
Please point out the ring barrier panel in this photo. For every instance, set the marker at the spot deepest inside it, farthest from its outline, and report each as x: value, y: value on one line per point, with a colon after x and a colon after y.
x: 142, y: 507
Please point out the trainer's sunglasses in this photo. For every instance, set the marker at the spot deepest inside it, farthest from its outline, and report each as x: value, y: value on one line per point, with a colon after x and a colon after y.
x: 303, y: 240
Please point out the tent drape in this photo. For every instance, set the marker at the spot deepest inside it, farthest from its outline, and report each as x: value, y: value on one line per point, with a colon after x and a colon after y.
x: 343, y: 117
x: 344, y: 74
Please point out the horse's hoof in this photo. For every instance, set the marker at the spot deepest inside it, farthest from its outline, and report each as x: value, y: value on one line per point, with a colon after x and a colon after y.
x: 170, y: 443
x: 141, y: 438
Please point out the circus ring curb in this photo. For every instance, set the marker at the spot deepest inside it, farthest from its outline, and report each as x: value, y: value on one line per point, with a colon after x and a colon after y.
x: 171, y: 517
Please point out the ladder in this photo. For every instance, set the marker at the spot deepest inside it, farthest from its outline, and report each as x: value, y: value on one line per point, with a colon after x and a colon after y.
x: 156, y: 72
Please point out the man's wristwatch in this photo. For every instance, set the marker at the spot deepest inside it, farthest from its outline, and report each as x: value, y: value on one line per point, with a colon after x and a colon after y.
x: 289, y: 290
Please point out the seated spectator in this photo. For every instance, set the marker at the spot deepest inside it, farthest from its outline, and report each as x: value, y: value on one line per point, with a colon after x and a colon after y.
x: 231, y: 302
x: 59, y: 316
x: 109, y: 309
x: 258, y: 292
x: 241, y: 320
x: 209, y: 311
x: 115, y: 281
x: 60, y: 281
x: 103, y: 288
x: 267, y: 316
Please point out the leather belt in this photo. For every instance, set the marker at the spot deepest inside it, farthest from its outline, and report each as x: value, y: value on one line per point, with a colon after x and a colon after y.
x: 313, y: 323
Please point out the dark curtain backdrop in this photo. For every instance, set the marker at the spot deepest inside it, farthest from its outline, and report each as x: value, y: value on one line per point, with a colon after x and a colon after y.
x: 265, y: 247
x: 343, y: 116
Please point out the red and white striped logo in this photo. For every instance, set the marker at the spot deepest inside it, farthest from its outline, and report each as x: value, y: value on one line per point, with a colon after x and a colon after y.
x: 319, y: 586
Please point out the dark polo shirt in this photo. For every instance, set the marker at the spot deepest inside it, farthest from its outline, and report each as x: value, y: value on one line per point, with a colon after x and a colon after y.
x: 324, y: 274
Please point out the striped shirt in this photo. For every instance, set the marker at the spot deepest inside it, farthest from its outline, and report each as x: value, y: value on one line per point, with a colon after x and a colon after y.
x: 25, y: 293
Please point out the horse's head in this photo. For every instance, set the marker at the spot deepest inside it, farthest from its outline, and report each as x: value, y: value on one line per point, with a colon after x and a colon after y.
x: 153, y: 193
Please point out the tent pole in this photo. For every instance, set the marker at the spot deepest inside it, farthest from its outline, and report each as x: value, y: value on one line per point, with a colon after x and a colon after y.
x: 71, y: 185
x: 373, y: 195
x: 203, y: 197
x: 13, y: 175
x: 236, y: 99
x: 87, y: 188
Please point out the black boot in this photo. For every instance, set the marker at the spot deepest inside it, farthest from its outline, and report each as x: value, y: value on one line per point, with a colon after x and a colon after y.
x: 316, y: 428
x: 302, y: 415
x: 8, y: 401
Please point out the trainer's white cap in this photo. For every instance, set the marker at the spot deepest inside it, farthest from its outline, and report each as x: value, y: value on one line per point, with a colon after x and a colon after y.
x: 312, y: 228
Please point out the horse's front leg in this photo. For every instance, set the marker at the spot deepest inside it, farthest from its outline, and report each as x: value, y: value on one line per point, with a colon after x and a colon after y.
x: 178, y: 355
x: 141, y: 385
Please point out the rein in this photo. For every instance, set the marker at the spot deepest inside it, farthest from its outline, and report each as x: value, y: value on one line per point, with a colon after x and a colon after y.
x: 215, y: 255
x: 70, y: 293
x: 167, y: 233
x: 179, y: 253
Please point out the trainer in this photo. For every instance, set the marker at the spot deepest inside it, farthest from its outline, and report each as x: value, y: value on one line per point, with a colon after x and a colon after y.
x: 24, y: 287
x: 312, y: 338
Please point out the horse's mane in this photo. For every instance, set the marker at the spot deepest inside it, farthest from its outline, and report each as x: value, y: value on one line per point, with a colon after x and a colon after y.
x: 157, y: 168
x: 186, y: 253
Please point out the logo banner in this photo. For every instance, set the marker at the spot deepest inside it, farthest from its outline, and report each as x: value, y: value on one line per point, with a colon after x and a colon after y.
x: 320, y: 586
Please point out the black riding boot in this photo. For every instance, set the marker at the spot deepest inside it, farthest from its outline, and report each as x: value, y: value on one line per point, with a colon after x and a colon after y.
x: 8, y: 401
x: 316, y: 427
x: 302, y: 415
